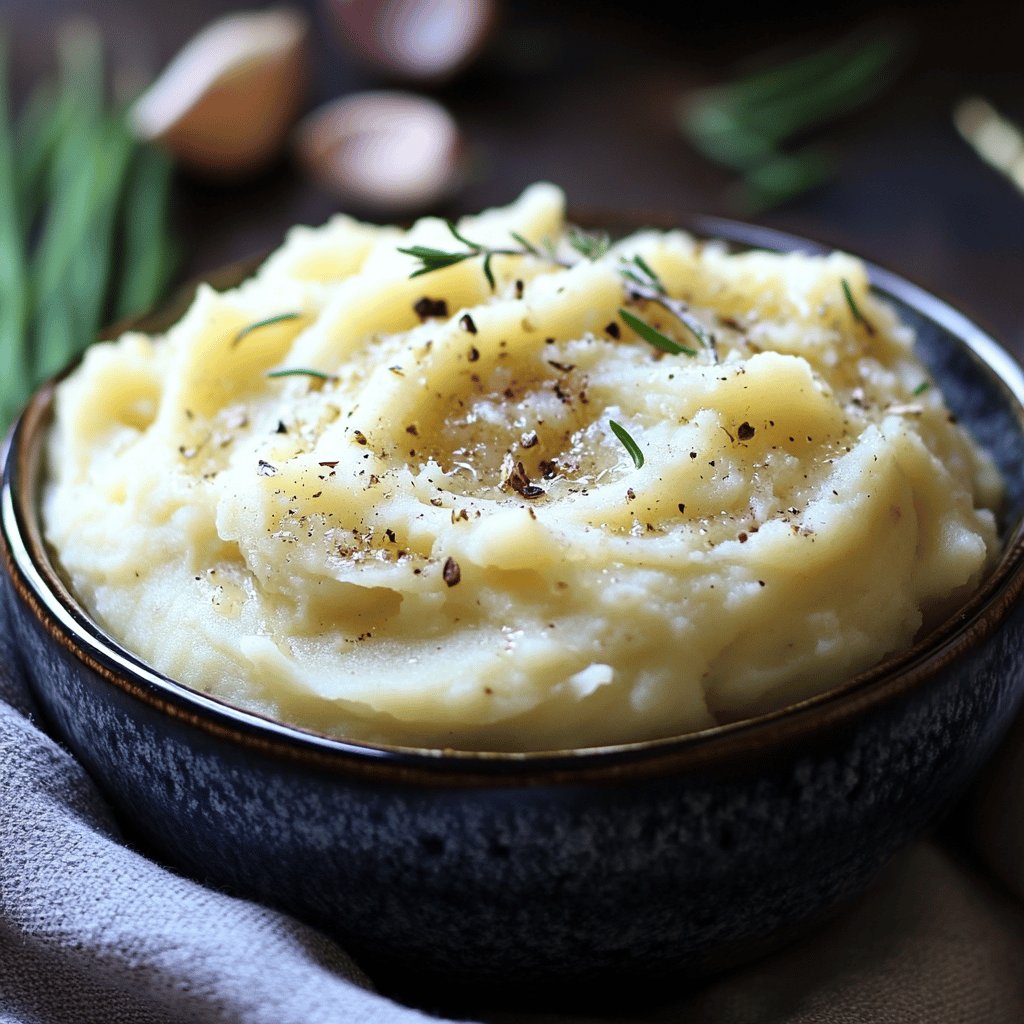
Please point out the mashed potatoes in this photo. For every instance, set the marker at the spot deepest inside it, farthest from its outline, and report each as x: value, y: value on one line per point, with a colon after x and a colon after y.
x: 427, y: 530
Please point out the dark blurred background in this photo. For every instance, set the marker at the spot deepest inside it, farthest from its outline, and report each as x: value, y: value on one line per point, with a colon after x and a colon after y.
x: 586, y: 94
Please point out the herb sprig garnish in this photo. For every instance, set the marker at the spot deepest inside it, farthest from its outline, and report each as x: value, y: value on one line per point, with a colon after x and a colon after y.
x: 855, y: 309
x: 628, y: 443
x: 645, y: 284
x: 270, y: 321
x: 432, y: 259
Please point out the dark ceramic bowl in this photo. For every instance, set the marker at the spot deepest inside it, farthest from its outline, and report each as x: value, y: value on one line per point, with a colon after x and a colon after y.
x: 675, y: 855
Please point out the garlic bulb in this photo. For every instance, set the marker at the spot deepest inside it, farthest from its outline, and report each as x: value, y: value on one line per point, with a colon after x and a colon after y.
x: 425, y: 41
x: 226, y: 102
x: 391, y: 152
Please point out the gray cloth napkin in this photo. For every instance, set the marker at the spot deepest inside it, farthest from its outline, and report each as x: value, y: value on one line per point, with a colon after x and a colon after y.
x: 92, y: 932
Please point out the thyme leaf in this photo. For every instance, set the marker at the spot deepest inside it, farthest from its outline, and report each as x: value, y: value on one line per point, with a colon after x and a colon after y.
x: 628, y: 443
x: 921, y: 388
x: 270, y: 320
x: 653, y: 336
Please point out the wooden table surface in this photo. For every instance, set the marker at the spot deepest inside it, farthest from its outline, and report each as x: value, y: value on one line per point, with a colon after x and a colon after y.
x: 583, y: 94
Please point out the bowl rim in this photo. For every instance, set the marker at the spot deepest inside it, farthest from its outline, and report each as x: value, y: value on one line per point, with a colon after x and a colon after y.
x: 42, y: 590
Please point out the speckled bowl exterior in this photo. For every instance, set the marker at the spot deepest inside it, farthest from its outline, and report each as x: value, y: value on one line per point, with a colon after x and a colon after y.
x: 676, y: 855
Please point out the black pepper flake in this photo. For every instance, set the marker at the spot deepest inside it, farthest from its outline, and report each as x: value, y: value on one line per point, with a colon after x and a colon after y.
x: 466, y: 323
x: 520, y: 482
x: 630, y: 494
x: 742, y: 538
x: 451, y: 573
x: 745, y: 431
x: 548, y: 468
x: 360, y: 437
x: 760, y: 583
x: 564, y: 367
x: 329, y: 465
x: 519, y: 289
x: 412, y: 429
x: 682, y: 508
x: 474, y: 353
x: 693, y: 455
x: 318, y: 494
x: 265, y: 468
x: 390, y: 534
x: 281, y: 428
x: 425, y: 308
x: 613, y: 330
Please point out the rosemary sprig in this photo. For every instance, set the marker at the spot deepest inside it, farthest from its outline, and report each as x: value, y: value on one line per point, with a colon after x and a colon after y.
x: 280, y: 318
x: 645, y: 284
x: 628, y: 443
x: 437, y: 259
x: 589, y: 246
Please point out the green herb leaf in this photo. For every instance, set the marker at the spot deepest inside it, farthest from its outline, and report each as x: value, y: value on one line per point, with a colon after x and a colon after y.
x: 462, y: 238
x: 13, y: 272
x: 488, y: 273
x: 434, y: 259
x: 643, y: 265
x: 589, y: 246
x: 149, y: 257
x: 921, y: 388
x: 653, y: 336
x: 855, y: 310
x: 298, y: 372
x: 628, y: 443
x: 279, y: 319
x: 525, y: 243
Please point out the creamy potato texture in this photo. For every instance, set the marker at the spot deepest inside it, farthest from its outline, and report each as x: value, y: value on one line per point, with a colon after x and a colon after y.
x: 429, y: 534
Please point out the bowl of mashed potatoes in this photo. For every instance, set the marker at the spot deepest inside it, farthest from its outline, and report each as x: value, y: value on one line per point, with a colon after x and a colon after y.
x: 516, y: 602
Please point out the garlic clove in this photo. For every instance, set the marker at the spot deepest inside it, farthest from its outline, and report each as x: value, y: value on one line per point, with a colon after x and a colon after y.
x: 390, y: 152
x: 416, y: 40
x: 225, y: 103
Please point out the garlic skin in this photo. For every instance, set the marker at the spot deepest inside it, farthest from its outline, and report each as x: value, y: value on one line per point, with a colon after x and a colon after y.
x: 225, y: 104
x: 417, y: 41
x: 391, y: 152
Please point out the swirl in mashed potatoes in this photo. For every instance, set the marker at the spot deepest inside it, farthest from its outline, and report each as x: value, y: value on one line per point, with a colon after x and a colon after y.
x: 429, y: 534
